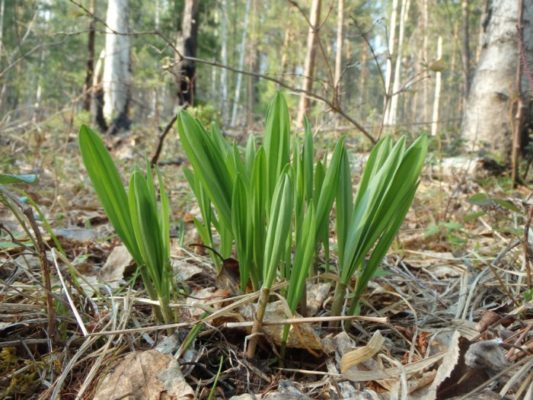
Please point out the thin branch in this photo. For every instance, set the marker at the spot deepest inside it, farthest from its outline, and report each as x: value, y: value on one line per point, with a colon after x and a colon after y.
x: 155, y: 157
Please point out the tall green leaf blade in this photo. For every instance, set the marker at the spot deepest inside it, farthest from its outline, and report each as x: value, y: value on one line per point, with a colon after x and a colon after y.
x: 109, y: 187
x: 278, y: 228
x: 276, y: 141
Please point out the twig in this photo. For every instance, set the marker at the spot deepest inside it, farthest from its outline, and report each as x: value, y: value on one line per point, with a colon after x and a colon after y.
x: 70, y: 302
x: 155, y: 157
x: 308, y: 320
x: 45, y: 272
x: 527, y: 262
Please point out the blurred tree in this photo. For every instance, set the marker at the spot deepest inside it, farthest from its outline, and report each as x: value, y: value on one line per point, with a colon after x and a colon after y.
x: 186, y: 44
x: 116, y: 78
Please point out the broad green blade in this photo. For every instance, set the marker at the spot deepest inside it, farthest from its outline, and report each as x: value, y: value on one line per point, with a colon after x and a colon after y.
x: 241, y: 224
x: 146, y: 227
x: 278, y: 228
x: 276, y: 141
x: 344, y: 205
x: 109, y: 187
x: 305, y: 251
x: 208, y: 162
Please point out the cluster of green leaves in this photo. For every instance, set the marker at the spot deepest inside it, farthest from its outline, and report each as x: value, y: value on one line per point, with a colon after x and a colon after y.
x: 260, y: 202
x: 273, y: 202
x: 141, y: 222
x: 367, y: 226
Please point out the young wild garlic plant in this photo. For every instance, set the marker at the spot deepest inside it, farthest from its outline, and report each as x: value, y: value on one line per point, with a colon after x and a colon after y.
x: 271, y: 205
x: 141, y: 222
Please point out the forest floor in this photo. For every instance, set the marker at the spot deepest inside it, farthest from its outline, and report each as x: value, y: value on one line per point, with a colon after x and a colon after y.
x: 452, y: 312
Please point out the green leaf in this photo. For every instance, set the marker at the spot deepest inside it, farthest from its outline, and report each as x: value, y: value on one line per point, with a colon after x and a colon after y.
x: 278, y: 228
x: 109, y: 187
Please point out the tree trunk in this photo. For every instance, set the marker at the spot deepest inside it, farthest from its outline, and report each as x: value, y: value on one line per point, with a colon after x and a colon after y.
x: 309, y: 67
x: 253, y: 53
x: 393, y: 110
x: 338, y: 47
x: 97, y: 95
x: 90, y: 58
x: 241, y: 64
x: 2, y: 11
x: 465, y: 14
x: 425, y: 57
x: 487, y: 122
x: 224, y: 59
x: 116, y: 78
x: 436, y: 98
x: 186, y: 44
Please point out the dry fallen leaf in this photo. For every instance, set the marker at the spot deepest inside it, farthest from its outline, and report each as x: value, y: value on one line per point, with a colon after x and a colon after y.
x: 301, y: 336
x: 363, y: 353
x: 145, y: 375
x: 112, y: 273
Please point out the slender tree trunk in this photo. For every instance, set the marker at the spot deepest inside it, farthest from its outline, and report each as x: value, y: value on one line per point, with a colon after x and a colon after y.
x: 241, y: 64
x: 388, y: 73
x: 398, y: 66
x: 363, y: 76
x: 97, y: 95
x: 2, y: 12
x: 116, y: 78
x: 186, y: 44
x: 338, y: 47
x: 90, y: 58
x: 252, y: 65
x: 224, y: 59
x: 465, y: 14
x: 425, y: 57
x: 309, y: 67
x: 157, y: 16
x: 436, y: 98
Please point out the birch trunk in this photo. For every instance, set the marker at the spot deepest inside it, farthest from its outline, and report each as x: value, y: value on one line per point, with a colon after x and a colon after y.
x: 393, y: 110
x: 224, y: 59
x: 436, y: 98
x: 388, y: 71
x: 487, y: 122
x: 338, y: 47
x: 186, y: 45
x: 252, y: 65
x: 425, y: 57
x: 116, y: 78
x: 465, y: 13
x: 236, y: 99
x: 309, y: 67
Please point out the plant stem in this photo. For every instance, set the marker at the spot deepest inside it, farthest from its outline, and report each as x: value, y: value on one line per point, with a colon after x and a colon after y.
x: 338, y: 302
x: 258, y: 321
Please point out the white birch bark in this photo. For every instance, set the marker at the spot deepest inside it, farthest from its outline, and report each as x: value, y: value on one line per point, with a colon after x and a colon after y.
x: 436, y: 98
x: 224, y: 59
x: 116, y: 77
x: 393, y: 110
x: 241, y: 63
x: 425, y: 88
x: 309, y: 66
x: 388, y: 71
x: 487, y: 121
x: 340, y: 37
